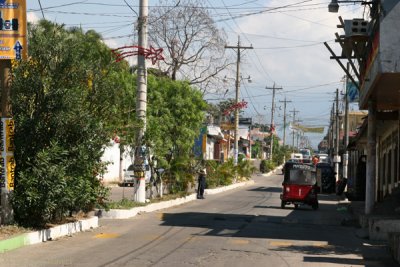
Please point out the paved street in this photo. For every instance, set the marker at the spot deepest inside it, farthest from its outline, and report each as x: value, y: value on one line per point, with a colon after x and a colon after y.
x: 242, y: 227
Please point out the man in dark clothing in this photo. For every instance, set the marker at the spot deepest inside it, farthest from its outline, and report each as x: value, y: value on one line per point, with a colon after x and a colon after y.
x: 361, y: 176
x: 201, y: 184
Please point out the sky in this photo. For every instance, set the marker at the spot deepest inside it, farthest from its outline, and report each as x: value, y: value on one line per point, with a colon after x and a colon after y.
x: 287, y: 38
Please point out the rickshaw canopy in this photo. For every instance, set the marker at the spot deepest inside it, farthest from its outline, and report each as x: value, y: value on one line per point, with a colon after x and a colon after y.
x: 299, y: 174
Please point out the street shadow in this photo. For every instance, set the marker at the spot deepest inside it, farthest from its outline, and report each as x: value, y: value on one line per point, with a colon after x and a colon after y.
x: 341, y: 261
x: 304, y: 236
x: 267, y: 189
x: 329, y: 197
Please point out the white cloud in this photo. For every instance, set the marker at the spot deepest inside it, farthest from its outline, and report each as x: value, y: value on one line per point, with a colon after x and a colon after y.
x: 32, y: 17
x: 294, y: 68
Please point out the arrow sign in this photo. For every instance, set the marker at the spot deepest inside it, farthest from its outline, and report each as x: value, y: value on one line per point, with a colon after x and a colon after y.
x: 18, y: 48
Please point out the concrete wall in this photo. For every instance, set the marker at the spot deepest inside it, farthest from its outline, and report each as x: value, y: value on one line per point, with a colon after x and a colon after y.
x: 390, y: 39
x: 112, y: 157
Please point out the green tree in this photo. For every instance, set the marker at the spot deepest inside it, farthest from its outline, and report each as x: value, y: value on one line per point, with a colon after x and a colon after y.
x: 175, y: 115
x: 65, y: 101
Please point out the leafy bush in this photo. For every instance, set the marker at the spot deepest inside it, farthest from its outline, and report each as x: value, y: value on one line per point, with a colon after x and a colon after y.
x: 63, y: 97
x: 181, y: 176
x: 45, y: 193
x: 241, y: 157
x: 219, y: 174
x: 245, y: 169
x: 267, y: 166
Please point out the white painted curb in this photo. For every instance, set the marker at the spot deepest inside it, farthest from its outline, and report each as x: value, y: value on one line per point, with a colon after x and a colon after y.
x: 125, y: 214
x: 67, y: 229
x: 226, y: 188
x: 273, y: 171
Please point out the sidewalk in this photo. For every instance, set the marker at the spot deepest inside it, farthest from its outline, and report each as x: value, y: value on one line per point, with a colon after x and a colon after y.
x: 383, y: 224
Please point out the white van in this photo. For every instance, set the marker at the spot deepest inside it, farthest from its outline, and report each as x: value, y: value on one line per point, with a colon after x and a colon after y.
x: 129, y: 177
x: 297, y: 156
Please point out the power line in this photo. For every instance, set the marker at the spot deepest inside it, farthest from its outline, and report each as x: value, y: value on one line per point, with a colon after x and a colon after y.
x: 41, y: 9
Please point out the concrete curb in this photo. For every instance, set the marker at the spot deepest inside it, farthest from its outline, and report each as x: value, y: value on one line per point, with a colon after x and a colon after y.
x: 125, y: 214
x: 52, y: 233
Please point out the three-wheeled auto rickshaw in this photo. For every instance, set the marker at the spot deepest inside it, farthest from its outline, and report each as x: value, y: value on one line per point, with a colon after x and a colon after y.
x: 299, y: 185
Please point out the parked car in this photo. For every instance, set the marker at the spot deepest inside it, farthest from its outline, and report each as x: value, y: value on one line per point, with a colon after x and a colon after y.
x: 129, y: 176
x: 306, y: 155
x: 323, y: 158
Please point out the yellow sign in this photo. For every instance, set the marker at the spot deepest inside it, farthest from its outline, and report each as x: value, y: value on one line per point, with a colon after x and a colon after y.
x: 10, y: 172
x: 227, y: 126
x: 13, y: 39
x: 9, y: 135
x: 2, y: 173
x: 7, y: 161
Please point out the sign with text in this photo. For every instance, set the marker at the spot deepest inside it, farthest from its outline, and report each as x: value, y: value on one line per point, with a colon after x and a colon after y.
x: 7, y: 161
x: 13, y: 39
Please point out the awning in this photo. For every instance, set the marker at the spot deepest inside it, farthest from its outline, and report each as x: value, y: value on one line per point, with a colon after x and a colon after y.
x: 215, y: 131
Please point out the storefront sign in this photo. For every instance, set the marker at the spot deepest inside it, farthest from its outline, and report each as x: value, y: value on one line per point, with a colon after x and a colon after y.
x: 7, y: 161
x: 13, y: 39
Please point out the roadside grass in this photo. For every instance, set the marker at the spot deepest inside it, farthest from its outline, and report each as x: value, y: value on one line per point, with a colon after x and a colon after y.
x: 8, y: 231
x: 129, y: 204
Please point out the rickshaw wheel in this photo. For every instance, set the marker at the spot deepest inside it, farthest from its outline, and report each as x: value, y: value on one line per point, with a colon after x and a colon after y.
x: 296, y: 206
x: 315, y: 206
x: 283, y: 203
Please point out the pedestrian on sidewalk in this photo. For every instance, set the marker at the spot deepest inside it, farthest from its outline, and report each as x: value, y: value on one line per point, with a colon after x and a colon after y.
x: 201, y: 183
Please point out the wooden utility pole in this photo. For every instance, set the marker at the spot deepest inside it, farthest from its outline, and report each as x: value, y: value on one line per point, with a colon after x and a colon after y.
x: 272, y: 127
x: 14, y: 46
x: 284, y: 119
x: 346, y: 129
x: 238, y: 49
x: 336, y: 154
x: 294, y: 111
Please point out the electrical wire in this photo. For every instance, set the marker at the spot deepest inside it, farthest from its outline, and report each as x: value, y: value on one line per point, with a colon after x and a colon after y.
x: 41, y: 9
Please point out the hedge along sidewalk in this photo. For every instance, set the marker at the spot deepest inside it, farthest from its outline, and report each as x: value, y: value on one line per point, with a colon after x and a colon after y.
x: 48, y: 234
x: 273, y: 171
x: 129, y: 213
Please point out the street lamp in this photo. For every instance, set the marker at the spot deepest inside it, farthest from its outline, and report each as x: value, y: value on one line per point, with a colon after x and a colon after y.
x: 334, y: 4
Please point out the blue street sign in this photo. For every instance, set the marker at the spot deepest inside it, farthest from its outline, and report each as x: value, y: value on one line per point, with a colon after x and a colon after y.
x: 18, y: 48
x: 352, y: 92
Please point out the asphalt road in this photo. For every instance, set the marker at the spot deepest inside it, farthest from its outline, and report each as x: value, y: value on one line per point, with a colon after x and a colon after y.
x: 242, y: 227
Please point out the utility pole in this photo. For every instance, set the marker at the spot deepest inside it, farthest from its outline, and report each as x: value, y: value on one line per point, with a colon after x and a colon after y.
x: 141, y: 105
x: 336, y: 154
x: 294, y: 111
x: 346, y: 129
x: 6, y: 185
x: 14, y: 47
x: 272, y: 127
x: 284, y: 125
x: 238, y: 49
x: 331, y: 140
x: 284, y: 119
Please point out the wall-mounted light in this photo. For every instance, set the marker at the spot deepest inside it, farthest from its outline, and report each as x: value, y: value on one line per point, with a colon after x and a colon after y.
x: 334, y: 4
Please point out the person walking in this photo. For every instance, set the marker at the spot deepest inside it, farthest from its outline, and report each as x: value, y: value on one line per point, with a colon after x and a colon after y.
x: 201, y: 184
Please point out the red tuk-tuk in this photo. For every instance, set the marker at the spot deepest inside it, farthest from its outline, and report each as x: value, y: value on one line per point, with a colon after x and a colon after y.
x: 299, y: 185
